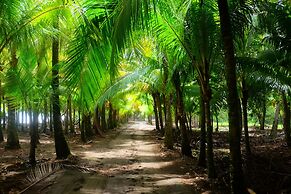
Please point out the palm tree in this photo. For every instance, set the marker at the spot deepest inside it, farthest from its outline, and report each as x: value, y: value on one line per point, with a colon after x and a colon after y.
x: 276, y: 22
x: 10, y: 17
x: 237, y: 179
x: 62, y: 149
x: 201, y: 38
x: 12, y: 134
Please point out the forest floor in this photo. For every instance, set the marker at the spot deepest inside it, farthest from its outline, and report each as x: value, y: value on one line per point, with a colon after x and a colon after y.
x: 131, y: 159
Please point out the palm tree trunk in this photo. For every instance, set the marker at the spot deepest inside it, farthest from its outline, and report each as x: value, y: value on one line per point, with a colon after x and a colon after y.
x: 71, y: 125
x: 96, y: 122
x: 61, y: 146
x: 164, y: 107
x: 186, y: 149
x: 217, y: 122
x: 245, y: 117
x: 74, y: 118
x: 87, y: 125
x: 45, y: 115
x: 79, y: 117
x: 114, y: 117
x: 51, y: 116
x: 169, y: 140
x: 33, y: 138
x: 262, y: 115
x: 12, y: 134
x: 83, y: 128
x: 66, y: 121
x: 190, y: 122
x: 30, y: 113
x: 17, y: 118
x: 22, y: 118
x: 286, y: 119
x: 202, y: 147
x: 209, y: 140
x: 236, y: 173
x: 103, y: 118
x: 160, y: 112
x: 206, y: 95
x: 176, y: 116
x: 276, y: 121
x: 156, y: 112
x: 110, y: 116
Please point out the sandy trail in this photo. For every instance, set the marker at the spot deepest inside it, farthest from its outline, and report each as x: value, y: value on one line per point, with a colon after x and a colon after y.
x: 128, y: 160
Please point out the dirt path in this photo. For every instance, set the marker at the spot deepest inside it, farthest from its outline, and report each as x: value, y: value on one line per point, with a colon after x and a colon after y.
x: 129, y: 160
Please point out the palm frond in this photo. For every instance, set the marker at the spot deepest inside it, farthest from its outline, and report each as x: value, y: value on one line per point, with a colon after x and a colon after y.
x: 122, y: 84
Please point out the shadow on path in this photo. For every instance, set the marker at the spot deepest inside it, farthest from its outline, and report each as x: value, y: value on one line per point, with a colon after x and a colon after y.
x: 128, y: 160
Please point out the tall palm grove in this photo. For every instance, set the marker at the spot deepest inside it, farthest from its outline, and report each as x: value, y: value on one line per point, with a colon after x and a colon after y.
x: 68, y: 66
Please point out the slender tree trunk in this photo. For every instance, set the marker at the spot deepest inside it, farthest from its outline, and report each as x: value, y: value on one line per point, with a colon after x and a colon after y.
x: 22, y: 118
x: 236, y: 173
x: 245, y: 117
x: 164, y: 107
x: 51, y: 116
x: 217, y: 122
x: 209, y: 140
x: 33, y: 138
x: 114, y: 115
x: 27, y: 119
x: 286, y: 119
x: 168, y: 131
x: 61, y: 146
x: 96, y: 122
x: 169, y: 138
x: 187, y: 122
x: 66, y: 121
x: 79, y: 118
x: 186, y: 149
x: 45, y: 116
x: 83, y: 128
x: 71, y: 125
x: 87, y: 125
x: 156, y: 112
x: 176, y: 116
x: 202, y: 147
x: 37, y: 132
x: 276, y: 121
x: 30, y: 113
x: 262, y: 116
x: 110, y: 116
x: 160, y: 112
x: 17, y: 118
x: 103, y: 118
x: 12, y: 135
x: 74, y: 118
x: 190, y: 121
x: 206, y: 95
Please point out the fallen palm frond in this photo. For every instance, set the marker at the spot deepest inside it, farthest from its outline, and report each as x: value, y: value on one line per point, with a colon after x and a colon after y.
x: 42, y: 171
